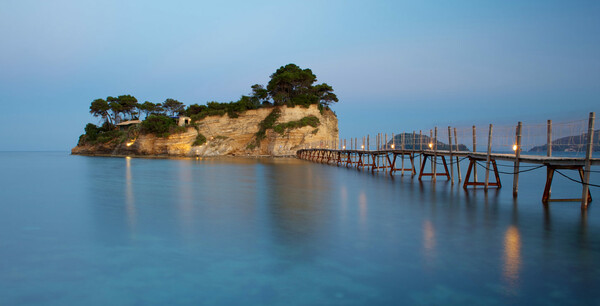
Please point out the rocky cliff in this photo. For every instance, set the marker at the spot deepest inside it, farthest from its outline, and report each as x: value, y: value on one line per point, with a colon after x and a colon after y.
x: 228, y: 136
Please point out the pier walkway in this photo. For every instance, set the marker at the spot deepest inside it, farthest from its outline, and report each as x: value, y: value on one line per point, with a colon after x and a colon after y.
x: 388, y: 158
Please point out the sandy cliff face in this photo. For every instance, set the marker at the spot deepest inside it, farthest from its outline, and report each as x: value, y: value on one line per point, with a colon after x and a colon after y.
x: 230, y: 136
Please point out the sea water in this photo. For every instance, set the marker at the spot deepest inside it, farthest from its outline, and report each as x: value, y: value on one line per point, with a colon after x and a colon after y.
x: 78, y: 230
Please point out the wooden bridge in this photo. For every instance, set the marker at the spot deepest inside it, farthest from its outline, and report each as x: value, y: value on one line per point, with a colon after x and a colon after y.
x: 390, y: 160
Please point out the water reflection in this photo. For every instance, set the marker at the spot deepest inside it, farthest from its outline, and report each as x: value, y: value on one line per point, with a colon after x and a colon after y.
x: 344, y: 201
x: 429, y: 241
x: 512, y: 257
x: 362, y: 204
x: 129, y: 195
x: 185, y: 196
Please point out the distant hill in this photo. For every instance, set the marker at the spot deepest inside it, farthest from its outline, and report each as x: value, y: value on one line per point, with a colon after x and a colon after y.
x: 408, y: 141
x: 576, y: 143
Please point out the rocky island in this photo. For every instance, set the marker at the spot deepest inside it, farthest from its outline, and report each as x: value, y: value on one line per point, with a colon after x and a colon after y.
x: 275, y: 121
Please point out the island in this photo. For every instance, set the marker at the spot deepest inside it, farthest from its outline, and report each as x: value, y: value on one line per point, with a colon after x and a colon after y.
x: 574, y: 143
x: 290, y: 113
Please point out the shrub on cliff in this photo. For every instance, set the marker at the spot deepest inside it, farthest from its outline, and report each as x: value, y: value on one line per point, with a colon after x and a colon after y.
x: 200, y: 140
x: 103, y: 134
x: 306, y: 121
x: 161, y: 126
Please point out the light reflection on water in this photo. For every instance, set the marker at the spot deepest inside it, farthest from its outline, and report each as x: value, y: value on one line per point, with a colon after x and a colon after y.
x: 282, y: 232
x: 512, y: 257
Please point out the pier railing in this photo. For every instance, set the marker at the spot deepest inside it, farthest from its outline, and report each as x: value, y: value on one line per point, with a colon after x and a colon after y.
x: 558, y: 146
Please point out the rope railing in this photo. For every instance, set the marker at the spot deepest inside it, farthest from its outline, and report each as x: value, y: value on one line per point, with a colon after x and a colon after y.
x: 568, y: 138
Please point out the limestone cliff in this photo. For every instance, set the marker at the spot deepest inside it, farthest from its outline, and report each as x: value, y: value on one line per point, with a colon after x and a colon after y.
x: 228, y: 136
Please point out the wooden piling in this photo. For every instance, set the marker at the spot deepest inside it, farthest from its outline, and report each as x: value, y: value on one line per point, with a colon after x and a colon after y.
x: 488, y: 159
x: 434, y: 163
x: 549, y: 140
x: 474, y: 150
x: 402, y: 144
x: 420, y: 146
x: 451, y: 155
x: 519, y: 132
x: 385, y: 146
x: 588, y: 164
x: 457, y: 158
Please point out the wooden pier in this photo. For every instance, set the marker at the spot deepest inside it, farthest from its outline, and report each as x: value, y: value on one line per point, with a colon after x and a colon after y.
x: 385, y: 158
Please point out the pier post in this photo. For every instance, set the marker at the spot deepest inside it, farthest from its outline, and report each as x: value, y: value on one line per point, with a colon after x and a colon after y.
x: 420, y: 147
x: 588, y: 156
x: 549, y: 140
x: 435, y: 156
x: 430, y: 147
x: 386, y: 142
x: 487, y: 163
x: 368, y: 147
x: 474, y: 150
x: 451, y: 156
x: 403, y: 154
x: 457, y: 160
x: 517, y: 157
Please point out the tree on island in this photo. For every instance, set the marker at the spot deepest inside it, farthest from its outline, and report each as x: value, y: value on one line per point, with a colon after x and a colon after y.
x: 100, y: 108
x: 148, y: 108
x: 115, y: 109
x: 290, y: 85
x: 173, y: 107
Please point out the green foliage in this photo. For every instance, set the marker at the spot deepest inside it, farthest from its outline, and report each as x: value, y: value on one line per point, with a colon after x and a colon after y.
x: 161, y: 126
x: 100, y: 108
x: 315, y: 131
x: 107, y: 136
x: 173, y: 107
x: 232, y: 109
x: 221, y: 137
x: 113, y: 110
x: 106, y: 133
x: 290, y: 85
x: 150, y: 108
x: 306, y: 121
x: 200, y: 140
x: 91, y: 132
x: 266, y: 124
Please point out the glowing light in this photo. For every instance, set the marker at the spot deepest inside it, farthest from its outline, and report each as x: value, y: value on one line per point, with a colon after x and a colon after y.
x: 430, y: 145
x: 344, y: 147
x: 362, y: 147
x: 515, y: 148
x: 131, y: 142
x: 393, y: 145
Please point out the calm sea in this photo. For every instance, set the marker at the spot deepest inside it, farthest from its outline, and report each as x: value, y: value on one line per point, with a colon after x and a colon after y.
x: 78, y: 230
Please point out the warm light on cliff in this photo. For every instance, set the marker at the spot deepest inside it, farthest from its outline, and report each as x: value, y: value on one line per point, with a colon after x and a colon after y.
x: 131, y: 142
x: 430, y: 145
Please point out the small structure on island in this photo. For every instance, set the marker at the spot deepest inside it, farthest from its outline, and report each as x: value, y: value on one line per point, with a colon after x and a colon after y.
x: 126, y: 124
x: 183, y: 120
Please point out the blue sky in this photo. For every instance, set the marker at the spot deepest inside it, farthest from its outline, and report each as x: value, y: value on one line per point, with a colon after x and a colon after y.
x: 395, y: 65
